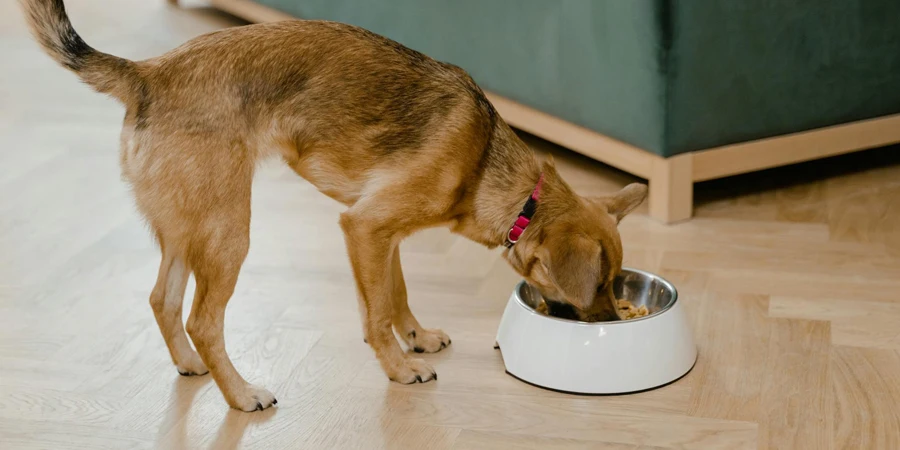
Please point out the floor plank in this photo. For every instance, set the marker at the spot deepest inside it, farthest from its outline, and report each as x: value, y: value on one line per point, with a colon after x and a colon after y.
x: 795, y: 402
x: 733, y: 334
x: 474, y: 440
x: 866, y: 395
x: 854, y: 322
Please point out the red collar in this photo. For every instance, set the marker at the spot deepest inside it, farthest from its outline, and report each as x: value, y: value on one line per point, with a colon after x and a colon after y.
x: 515, y: 232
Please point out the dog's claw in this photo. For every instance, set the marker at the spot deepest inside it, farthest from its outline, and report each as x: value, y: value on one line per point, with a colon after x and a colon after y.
x: 412, y: 333
x: 259, y: 406
x: 419, y: 350
x: 443, y: 345
x: 274, y: 401
x: 434, y: 376
x: 418, y: 378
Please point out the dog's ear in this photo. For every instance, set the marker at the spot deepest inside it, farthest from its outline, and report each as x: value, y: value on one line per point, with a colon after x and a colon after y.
x: 573, y: 264
x: 549, y: 164
x: 623, y: 202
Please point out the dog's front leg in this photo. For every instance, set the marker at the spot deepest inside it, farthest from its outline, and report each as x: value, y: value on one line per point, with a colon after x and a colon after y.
x: 370, y: 245
x: 418, y: 338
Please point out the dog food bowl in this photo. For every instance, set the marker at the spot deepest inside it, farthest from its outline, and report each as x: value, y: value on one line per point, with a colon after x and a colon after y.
x: 599, y: 357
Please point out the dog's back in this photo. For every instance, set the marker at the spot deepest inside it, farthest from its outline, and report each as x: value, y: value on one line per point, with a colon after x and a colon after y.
x: 338, y: 103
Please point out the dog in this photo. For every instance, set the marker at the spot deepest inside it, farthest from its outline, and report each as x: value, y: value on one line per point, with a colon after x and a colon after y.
x: 404, y: 141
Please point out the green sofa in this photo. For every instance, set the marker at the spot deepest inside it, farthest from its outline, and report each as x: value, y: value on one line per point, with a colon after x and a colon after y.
x: 666, y: 77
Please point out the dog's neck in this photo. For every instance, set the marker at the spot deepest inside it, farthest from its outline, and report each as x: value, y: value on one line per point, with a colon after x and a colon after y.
x: 510, y: 173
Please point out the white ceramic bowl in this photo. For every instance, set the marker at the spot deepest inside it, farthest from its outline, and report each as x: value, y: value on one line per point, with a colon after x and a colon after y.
x: 600, y: 357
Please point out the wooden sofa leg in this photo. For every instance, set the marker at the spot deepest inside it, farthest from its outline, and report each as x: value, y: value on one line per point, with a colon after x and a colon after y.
x: 672, y: 189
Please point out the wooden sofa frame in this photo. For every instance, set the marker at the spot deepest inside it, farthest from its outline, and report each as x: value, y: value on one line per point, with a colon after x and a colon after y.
x: 671, y: 179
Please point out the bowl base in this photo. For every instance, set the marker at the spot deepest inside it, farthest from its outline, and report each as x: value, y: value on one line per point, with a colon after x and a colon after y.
x: 594, y: 394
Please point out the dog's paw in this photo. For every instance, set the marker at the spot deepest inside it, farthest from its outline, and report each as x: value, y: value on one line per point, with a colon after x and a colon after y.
x: 427, y: 341
x: 193, y: 366
x: 252, y: 398
x: 412, y: 370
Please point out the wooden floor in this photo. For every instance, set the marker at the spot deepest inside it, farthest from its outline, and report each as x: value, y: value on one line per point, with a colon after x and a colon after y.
x: 792, y: 283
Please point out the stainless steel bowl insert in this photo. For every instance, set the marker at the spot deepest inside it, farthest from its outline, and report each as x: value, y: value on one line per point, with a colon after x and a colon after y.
x: 637, y: 286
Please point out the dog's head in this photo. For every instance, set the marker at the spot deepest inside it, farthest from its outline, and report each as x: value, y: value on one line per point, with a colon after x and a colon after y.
x: 575, y: 251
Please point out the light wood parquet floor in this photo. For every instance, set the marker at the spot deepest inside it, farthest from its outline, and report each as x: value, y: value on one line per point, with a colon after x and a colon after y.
x: 791, y: 281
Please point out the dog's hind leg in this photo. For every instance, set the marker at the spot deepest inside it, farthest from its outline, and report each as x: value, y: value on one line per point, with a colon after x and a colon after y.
x: 194, y: 188
x: 166, y: 300
x: 218, y: 247
x: 419, y: 339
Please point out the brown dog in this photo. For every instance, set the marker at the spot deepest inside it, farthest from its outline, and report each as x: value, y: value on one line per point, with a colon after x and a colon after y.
x: 404, y: 141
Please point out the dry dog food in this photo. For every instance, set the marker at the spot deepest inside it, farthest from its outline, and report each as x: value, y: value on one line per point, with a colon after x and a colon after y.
x: 629, y: 311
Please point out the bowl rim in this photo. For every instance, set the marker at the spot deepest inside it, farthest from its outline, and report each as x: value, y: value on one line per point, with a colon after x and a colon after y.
x: 664, y: 281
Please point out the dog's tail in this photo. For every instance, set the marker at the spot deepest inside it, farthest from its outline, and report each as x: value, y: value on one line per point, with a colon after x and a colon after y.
x: 109, y: 74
